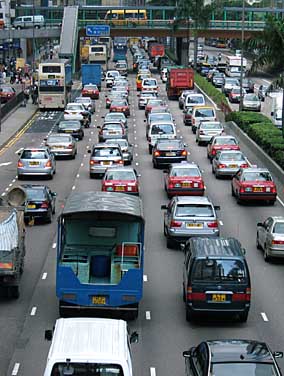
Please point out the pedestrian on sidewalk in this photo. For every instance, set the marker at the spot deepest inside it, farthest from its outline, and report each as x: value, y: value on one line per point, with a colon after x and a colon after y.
x: 34, y: 93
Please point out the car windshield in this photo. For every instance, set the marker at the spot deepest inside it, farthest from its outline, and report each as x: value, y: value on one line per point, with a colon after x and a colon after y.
x: 251, y: 97
x: 59, y: 139
x: 225, y: 141
x: 106, y: 152
x: 206, y: 112
x: 278, y: 228
x: 90, y: 87
x: 257, y: 176
x: 119, y: 103
x: 162, y: 129
x: 194, y: 210
x: 69, y: 124
x: 120, y: 175
x: 197, y: 99
x: 182, y: 172
x: 74, y: 107
x: 223, y: 269
x: 35, y: 194
x: 211, y: 126
x: 232, y: 157
x: 248, y: 369
x: 34, y: 154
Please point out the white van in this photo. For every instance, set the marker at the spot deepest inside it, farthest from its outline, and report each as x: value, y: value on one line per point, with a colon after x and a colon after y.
x: 193, y: 99
x: 158, y: 130
x: 89, y: 346
x: 25, y: 22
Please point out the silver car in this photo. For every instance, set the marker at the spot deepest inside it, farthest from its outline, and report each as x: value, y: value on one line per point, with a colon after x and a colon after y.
x: 187, y: 216
x: 62, y: 145
x: 228, y: 85
x: 89, y: 104
x: 111, y: 130
x: 103, y: 156
x: 207, y: 129
x: 228, y: 163
x: 251, y: 102
x: 126, y: 148
x: 270, y: 237
x: 116, y: 116
x: 36, y: 162
x: 144, y: 97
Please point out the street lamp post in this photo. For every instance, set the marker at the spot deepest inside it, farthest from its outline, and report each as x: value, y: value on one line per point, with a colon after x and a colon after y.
x: 242, y: 57
x: 33, y: 56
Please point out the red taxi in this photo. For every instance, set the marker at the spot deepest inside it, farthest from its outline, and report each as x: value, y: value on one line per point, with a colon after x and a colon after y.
x: 7, y: 93
x: 184, y: 179
x: 221, y: 143
x: 254, y: 184
x: 91, y: 91
x: 121, y: 179
x: 120, y: 105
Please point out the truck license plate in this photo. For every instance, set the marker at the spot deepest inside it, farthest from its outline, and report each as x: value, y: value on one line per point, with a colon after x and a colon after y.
x: 99, y: 300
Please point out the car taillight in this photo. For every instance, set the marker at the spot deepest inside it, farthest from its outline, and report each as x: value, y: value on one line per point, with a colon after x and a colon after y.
x: 242, y: 296
x: 242, y: 189
x: 212, y: 224
x: 157, y: 153
x: 277, y: 242
x: 184, y: 153
x: 70, y: 146
x: 195, y: 295
x: 213, y: 152
x: 120, y: 162
x: 92, y: 162
x: 48, y: 164
x: 220, y: 165
x: 20, y: 164
x: 244, y: 165
x: 273, y: 190
x: 175, y: 224
x: 44, y: 205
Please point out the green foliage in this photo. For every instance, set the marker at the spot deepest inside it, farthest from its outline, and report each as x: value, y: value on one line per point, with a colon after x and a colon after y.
x: 218, y: 97
x: 262, y: 131
x: 171, y: 55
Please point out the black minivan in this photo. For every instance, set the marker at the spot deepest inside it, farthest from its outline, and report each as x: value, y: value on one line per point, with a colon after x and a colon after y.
x: 216, y: 278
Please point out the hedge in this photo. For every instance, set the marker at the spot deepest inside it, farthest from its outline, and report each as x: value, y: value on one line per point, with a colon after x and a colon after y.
x: 218, y: 97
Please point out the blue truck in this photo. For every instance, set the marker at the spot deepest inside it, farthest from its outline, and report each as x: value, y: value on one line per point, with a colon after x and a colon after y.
x: 100, y: 254
x: 119, y: 48
x: 92, y: 74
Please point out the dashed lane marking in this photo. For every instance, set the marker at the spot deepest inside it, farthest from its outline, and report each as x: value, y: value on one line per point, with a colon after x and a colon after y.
x: 152, y: 371
x: 33, y: 311
x: 145, y: 278
x: 221, y: 223
x: 148, y: 315
x: 73, y: 187
x: 264, y: 317
x: 5, y: 164
x: 78, y: 175
x: 82, y: 164
x: 281, y: 202
x: 54, y: 245
x: 16, y: 369
x: 44, y: 275
x: 3, y: 194
x: 14, y: 180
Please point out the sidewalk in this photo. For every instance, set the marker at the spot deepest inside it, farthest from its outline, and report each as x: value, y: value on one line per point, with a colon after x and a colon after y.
x: 15, y: 121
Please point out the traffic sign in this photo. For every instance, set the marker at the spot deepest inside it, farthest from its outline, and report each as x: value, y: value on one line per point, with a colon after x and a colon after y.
x: 97, y: 30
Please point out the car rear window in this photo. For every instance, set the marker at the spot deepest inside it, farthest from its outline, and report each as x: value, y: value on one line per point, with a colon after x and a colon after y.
x: 248, y: 369
x: 211, y: 126
x: 70, y: 124
x: 257, y: 176
x: 232, y: 157
x: 219, y: 270
x: 162, y: 129
x: 179, y: 172
x: 196, y: 210
x: 150, y: 82
x: 29, y: 154
x: 174, y: 144
x: 35, y: 194
x: 159, y: 117
x: 120, y: 175
x: 91, y: 87
x: 116, y: 127
x: 225, y: 141
x: 206, y: 112
x: 74, y: 107
x: 106, y: 152
x: 59, y: 139
x: 197, y: 99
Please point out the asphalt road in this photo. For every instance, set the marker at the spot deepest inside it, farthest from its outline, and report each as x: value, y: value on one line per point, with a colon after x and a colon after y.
x: 164, y: 332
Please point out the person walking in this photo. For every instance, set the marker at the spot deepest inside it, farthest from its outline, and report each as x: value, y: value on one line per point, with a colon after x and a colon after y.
x: 34, y: 93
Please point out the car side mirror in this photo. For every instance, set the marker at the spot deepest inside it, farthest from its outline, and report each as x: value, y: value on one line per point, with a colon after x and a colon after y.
x: 260, y: 224
x: 89, y: 151
x: 185, y: 145
x: 244, y: 251
x: 134, y: 337
x: 217, y: 207
x: 186, y: 354
x: 271, y: 113
x: 98, y: 127
x: 164, y: 207
x: 165, y: 171
x: 54, y: 194
x: 278, y: 354
x: 48, y: 335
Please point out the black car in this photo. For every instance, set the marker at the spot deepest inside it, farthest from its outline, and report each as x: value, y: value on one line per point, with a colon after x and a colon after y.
x: 40, y: 202
x: 216, y: 278
x: 73, y: 127
x: 231, y: 357
x: 166, y: 152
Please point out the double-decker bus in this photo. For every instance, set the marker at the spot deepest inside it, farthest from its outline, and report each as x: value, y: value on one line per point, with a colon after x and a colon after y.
x: 54, y: 84
x: 98, y: 54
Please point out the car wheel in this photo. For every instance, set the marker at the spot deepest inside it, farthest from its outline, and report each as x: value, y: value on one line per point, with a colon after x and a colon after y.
x: 20, y: 177
x: 232, y: 191
x: 92, y: 176
x: 243, y: 316
x: 170, y: 243
x: 150, y: 149
x: 165, y: 230
x: 53, y: 209
x: 266, y: 256
x: 271, y: 202
x: 258, y: 246
x: 155, y: 164
x: 188, y: 314
x: 217, y: 176
x: 183, y: 293
x: 49, y: 216
x: 50, y: 177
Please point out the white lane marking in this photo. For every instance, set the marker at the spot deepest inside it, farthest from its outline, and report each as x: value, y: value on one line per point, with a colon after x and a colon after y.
x: 135, y: 131
x: 145, y: 278
x: 5, y: 164
x: 136, y: 146
x: 152, y: 371
x: 137, y: 164
x: 54, y: 245
x: 85, y: 155
x: 33, y: 311
x: 148, y: 315
x: 178, y: 130
x: 221, y: 223
x: 73, y: 187
x: 264, y: 317
x: 82, y: 164
x: 7, y: 189
x: 134, y: 125
x: 88, y: 146
x: 136, y: 154
x: 44, y: 275
x: 19, y: 150
x: 92, y: 132
x: 90, y: 140
x: 10, y: 185
x: 3, y: 194
x: 13, y: 181
x: 279, y: 199
x: 16, y: 369
x: 78, y: 175
x: 135, y: 138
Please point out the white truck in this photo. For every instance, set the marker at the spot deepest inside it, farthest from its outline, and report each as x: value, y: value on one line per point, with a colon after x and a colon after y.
x: 233, y: 66
x: 276, y: 109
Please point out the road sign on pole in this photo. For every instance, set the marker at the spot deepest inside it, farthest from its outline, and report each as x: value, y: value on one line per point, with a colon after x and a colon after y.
x: 97, y: 30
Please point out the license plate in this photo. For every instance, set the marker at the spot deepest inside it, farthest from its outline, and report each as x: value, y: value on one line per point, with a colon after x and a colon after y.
x: 34, y: 163
x: 218, y: 298
x: 106, y: 163
x: 68, y: 131
x: 194, y: 225
x: 99, y: 300
x: 58, y: 147
x: 112, y: 132
x: 186, y: 184
x: 257, y: 189
x: 170, y: 154
x: 233, y: 166
x: 119, y: 188
x: 74, y: 113
x: 31, y: 206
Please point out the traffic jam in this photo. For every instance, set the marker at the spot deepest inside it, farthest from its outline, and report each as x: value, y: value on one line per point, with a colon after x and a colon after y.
x: 166, y: 208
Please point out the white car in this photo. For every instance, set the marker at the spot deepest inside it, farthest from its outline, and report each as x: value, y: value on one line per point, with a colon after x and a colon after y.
x: 75, y: 111
x: 110, y: 76
x: 150, y: 84
x: 87, y: 102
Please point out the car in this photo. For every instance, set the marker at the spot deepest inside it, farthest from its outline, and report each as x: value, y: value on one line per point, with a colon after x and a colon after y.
x: 251, y: 102
x: 36, y: 162
x: 110, y: 76
x: 184, y: 179
x: 202, y: 113
x: 254, y: 184
x: 116, y: 116
x: 122, y: 68
x: 160, y: 130
x: 187, y: 116
x: 62, y: 145
x: 110, y: 130
x: 150, y: 84
x: 120, y: 86
x: 182, y: 97
x: 7, y: 93
x: 139, y: 78
x: 121, y: 179
x: 228, y: 163
x: 40, y: 202
x: 216, y: 278
x: 194, y: 99
x: 221, y: 143
x: 157, y: 116
x: 126, y: 148
x: 151, y: 103
x: 248, y: 85
x: 104, y: 155
x: 77, y: 111
x: 72, y: 127
x: 270, y: 237
x: 218, y: 79
x: 121, y: 91
x: 166, y: 152
x: 88, y: 103
x: 120, y: 105
x: 114, y: 96
x: 228, y: 85
x: 204, y: 69
x: 188, y: 216
x: 144, y: 97
x: 232, y: 357
x: 235, y: 95
x: 210, y: 74
x: 206, y: 130
x: 164, y: 75
x: 91, y: 91
x: 262, y: 92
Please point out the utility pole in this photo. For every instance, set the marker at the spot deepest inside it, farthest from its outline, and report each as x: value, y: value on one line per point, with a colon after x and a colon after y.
x: 242, y: 58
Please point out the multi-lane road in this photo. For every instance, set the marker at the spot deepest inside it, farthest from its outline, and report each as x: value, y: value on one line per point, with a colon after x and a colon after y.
x: 164, y: 332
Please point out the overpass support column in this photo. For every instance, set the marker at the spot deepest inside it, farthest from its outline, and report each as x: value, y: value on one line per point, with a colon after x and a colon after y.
x: 178, y: 49
x: 23, y: 44
x: 182, y: 51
